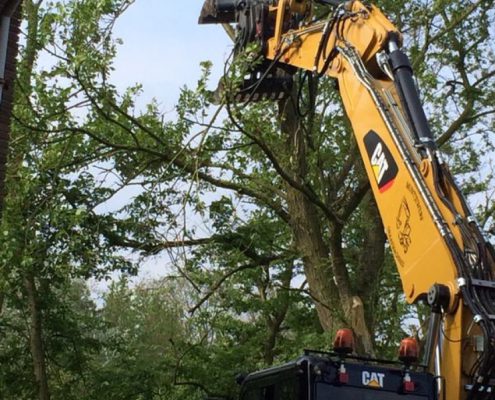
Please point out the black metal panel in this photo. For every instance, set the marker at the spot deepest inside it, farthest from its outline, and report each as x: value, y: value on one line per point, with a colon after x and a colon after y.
x: 316, y: 377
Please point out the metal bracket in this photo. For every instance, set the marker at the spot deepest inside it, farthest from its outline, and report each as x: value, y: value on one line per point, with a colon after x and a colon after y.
x: 482, y: 283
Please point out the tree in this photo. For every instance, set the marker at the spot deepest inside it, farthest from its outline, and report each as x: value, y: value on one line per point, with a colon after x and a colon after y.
x: 49, y: 239
x: 300, y: 178
x: 317, y: 184
x: 155, y: 349
x: 259, y: 208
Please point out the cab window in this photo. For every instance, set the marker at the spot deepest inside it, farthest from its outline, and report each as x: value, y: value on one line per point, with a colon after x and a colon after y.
x: 286, y: 389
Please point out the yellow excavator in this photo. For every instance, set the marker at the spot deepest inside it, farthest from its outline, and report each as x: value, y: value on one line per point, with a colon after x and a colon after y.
x: 441, y: 253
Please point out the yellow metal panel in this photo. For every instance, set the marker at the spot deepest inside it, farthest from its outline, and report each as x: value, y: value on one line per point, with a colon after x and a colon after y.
x: 420, y: 252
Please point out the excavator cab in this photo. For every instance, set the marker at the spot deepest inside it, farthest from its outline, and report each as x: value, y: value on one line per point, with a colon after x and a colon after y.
x: 341, y: 375
x: 326, y: 376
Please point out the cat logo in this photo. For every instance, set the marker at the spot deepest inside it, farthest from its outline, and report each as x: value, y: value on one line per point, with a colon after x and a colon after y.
x: 379, y: 162
x: 383, y: 164
x: 373, y: 379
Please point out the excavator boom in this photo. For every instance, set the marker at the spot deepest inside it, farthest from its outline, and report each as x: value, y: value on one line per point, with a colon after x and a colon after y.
x: 440, y: 251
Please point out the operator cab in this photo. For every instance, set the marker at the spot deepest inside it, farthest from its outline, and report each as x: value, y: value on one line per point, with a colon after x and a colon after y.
x: 327, y: 376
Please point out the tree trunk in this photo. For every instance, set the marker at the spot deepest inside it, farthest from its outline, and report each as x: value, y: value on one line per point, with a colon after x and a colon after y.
x: 275, y: 319
x: 324, y: 262
x: 36, y: 339
x: 371, y: 258
x: 352, y: 304
x: 306, y: 224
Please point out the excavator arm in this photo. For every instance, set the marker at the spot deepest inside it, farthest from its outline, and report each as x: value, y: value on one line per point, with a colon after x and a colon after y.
x: 440, y: 251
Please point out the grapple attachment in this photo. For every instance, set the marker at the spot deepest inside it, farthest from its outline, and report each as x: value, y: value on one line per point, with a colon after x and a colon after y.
x: 254, y: 24
x: 218, y: 12
x: 257, y: 86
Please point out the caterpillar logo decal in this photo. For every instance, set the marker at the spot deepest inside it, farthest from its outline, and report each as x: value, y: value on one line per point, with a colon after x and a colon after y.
x: 373, y: 379
x: 382, y: 162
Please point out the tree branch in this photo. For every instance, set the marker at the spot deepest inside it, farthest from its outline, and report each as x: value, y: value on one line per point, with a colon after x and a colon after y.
x: 303, y: 188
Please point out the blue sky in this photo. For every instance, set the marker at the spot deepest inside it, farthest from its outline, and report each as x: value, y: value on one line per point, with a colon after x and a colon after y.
x: 163, y: 46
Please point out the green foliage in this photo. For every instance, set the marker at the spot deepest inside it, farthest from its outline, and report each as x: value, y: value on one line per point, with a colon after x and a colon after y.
x: 247, y: 217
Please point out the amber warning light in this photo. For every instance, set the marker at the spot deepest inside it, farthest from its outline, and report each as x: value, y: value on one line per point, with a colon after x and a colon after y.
x: 408, y: 354
x: 344, y: 342
x: 408, y: 351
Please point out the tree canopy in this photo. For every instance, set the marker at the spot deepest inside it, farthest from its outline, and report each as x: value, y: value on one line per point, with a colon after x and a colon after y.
x: 262, y: 212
